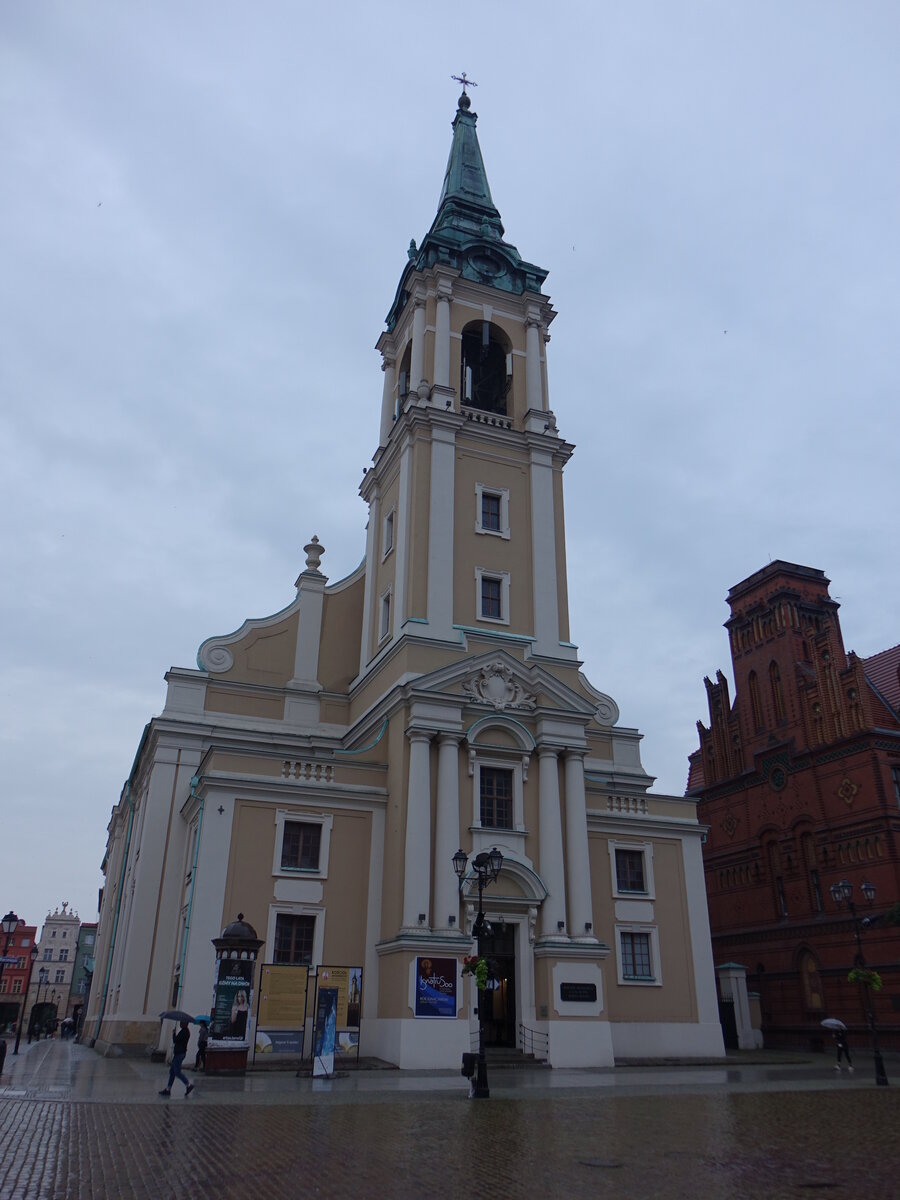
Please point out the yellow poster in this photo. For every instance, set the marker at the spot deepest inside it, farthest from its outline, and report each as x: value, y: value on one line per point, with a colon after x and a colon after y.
x: 282, y: 1000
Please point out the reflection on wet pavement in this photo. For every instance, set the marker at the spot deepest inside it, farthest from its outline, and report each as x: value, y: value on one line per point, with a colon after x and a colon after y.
x: 743, y: 1131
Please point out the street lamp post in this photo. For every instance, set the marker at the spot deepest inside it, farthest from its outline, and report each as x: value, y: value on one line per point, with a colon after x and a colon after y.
x: 32, y: 954
x: 842, y: 895
x: 43, y: 978
x: 9, y: 924
x: 486, y: 866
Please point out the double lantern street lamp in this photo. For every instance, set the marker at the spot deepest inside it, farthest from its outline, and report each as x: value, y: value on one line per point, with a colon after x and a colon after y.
x: 842, y: 895
x: 486, y: 866
x: 9, y: 924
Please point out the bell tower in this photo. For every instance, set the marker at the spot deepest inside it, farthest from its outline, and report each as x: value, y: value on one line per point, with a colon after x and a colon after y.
x: 466, y: 533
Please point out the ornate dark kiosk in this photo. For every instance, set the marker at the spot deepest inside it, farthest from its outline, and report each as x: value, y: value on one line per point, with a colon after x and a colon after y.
x: 230, y: 1027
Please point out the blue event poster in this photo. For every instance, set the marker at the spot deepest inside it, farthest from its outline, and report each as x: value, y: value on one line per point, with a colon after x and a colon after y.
x: 436, y: 987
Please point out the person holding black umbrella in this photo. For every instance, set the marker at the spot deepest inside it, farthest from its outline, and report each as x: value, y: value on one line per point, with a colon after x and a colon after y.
x: 179, y: 1050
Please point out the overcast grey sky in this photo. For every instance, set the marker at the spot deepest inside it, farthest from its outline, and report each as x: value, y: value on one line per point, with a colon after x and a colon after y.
x: 204, y: 213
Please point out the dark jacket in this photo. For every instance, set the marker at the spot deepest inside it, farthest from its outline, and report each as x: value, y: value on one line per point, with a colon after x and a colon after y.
x: 180, y: 1041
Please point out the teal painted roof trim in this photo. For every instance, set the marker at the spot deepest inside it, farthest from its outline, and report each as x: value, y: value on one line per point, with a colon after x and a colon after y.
x: 371, y: 745
x: 467, y: 233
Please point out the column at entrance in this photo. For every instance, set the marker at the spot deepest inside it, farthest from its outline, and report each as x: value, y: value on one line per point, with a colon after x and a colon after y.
x: 578, y: 875
x: 417, y: 855
x: 446, y: 839
x: 550, y: 844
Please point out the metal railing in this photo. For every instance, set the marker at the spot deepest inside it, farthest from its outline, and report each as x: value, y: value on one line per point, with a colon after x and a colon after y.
x: 532, y: 1041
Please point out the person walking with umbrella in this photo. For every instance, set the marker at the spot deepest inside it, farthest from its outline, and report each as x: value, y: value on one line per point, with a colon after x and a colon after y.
x: 179, y: 1050
x: 843, y: 1050
x: 839, y: 1029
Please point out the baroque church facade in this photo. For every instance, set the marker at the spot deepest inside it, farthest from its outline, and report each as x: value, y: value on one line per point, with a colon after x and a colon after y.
x: 321, y: 767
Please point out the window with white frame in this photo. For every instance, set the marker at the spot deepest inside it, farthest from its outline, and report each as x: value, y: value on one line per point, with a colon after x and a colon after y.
x: 294, y: 938
x: 302, y: 843
x: 638, y: 954
x: 492, y: 595
x: 63, y: 955
x: 384, y: 619
x: 60, y: 977
x: 492, y: 510
x: 631, y: 864
x: 496, y: 797
x: 387, y: 535
x: 17, y: 987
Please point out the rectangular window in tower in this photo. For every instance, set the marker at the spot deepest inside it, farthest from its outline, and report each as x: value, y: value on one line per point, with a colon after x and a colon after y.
x: 630, y: 871
x: 490, y: 512
x: 496, y: 786
x: 294, y: 939
x: 384, y: 625
x: 300, y: 845
x: 636, y: 962
x: 387, y: 540
x: 491, y: 598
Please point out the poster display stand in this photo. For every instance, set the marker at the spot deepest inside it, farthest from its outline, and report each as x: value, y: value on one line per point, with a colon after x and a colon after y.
x: 343, y: 1010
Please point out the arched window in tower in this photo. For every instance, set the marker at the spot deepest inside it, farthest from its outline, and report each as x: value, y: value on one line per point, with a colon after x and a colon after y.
x: 486, y: 368
x: 403, y: 379
x: 777, y: 697
x: 755, y: 705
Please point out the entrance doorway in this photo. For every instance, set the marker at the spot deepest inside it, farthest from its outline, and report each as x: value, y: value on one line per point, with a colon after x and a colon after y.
x: 499, y: 1004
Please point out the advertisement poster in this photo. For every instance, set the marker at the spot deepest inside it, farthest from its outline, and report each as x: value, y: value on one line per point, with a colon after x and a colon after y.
x: 436, y: 987
x: 326, y: 1027
x: 348, y: 983
x: 282, y: 1009
x: 231, y: 1000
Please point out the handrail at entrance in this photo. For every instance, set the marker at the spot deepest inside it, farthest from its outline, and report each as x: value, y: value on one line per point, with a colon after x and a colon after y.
x: 533, y: 1041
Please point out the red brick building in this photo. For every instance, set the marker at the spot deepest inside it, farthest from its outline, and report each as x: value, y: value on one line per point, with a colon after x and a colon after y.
x: 799, y: 782
x: 14, y: 980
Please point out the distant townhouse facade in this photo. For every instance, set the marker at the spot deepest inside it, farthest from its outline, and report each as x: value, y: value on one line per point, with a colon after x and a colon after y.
x: 14, y: 980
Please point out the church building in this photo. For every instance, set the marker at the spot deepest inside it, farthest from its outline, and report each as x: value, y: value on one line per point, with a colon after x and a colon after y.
x: 331, y: 772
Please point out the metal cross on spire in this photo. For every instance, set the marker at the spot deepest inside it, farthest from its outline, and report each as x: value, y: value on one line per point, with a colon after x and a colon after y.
x: 465, y: 82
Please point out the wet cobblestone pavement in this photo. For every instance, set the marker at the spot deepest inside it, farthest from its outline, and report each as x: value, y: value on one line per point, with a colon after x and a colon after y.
x: 838, y: 1137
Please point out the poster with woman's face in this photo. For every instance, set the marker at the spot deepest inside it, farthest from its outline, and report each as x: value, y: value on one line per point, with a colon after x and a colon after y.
x: 231, y: 1001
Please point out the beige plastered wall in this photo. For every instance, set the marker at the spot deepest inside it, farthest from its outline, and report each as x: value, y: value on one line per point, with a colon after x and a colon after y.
x: 342, y: 619
x: 250, y: 886
x: 502, y: 470
x: 676, y: 999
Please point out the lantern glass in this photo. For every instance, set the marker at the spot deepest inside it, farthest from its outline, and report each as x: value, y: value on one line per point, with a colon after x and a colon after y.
x: 460, y: 862
x: 496, y: 862
x: 868, y: 890
x: 836, y: 894
x: 10, y: 923
x: 846, y: 889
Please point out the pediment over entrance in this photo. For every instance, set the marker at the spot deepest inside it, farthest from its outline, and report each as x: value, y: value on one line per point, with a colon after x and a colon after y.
x: 497, y: 682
